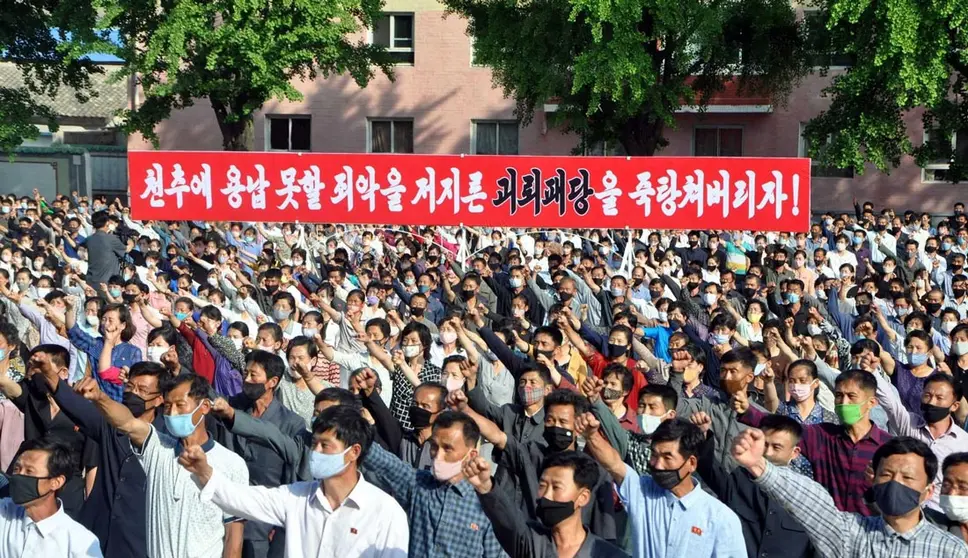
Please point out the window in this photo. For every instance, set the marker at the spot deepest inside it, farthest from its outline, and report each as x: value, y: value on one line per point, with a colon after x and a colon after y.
x: 495, y: 138
x: 937, y: 170
x: 717, y: 142
x: 605, y: 148
x: 819, y: 43
x: 816, y: 170
x: 395, y: 32
x: 390, y: 136
x: 288, y: 133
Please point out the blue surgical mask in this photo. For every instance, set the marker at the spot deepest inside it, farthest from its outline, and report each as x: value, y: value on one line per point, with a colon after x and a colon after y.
x: 181, y: 316
x: 181, y: 426
x: 719, y: 338
x: 3, y: 354
x: 946, y: 246
x: 326, y: 465
x: 917, y: 359
x: 792, y: 298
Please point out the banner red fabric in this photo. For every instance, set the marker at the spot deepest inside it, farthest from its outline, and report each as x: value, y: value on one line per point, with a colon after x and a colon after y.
x: 731, y: 193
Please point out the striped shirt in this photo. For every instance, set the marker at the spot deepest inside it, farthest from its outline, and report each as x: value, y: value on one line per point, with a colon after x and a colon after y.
x: 838, y: 463
x: 838, y: 534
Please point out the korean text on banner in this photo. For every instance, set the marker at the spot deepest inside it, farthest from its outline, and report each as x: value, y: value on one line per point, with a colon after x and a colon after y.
x: 732, y: 193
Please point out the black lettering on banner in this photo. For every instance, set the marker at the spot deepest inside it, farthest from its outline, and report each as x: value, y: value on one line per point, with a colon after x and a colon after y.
x: 555, y: 191
x: 507, y: 190
x: 530, y: 190
x: 580, y: 190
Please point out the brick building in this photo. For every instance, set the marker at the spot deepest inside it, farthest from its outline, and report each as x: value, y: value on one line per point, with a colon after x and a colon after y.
x: 441, y: 102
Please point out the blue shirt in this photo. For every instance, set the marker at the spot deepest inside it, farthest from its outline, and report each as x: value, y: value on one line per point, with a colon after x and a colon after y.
x: 663, y: 526
x: 125, y: 354
x: 446, y: 520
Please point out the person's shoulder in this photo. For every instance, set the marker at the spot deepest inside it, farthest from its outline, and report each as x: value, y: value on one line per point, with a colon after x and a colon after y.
x: 227, y: 460
x: 600, y: 548
x: 388, y: 506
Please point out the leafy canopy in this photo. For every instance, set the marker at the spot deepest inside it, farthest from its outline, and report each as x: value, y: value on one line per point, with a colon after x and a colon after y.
x: 908, y: 55
x: 619, y: 69
x: 236, y: 53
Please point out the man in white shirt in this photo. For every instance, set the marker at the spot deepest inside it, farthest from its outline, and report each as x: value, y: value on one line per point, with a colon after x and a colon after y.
x: 32, y: 520
x: 337, y: 515
x: 180, y: 525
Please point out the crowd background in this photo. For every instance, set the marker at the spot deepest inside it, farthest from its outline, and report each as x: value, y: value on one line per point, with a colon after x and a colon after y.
x: 182, y: 389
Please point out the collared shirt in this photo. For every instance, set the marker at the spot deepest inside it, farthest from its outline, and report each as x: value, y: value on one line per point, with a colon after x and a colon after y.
x: 57, y: 535
x: 446, y: 520
x: 664, y: 526
x: 180, y: 524
x: 368, y: 523
x: 521, y: 537
x: 847, y: 535
x: 115, y: 509
x: 403, y: 390
x: 901, y: 422
x: 50, y: 336
x: 838, y: 462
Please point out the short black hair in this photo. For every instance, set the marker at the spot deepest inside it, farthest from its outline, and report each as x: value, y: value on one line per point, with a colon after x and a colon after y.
x: 862, y: 378
x: 61, y: 459
x: 567, y: 397
x: 199, y: 390
x: 551, y: 331
x: 302, y: 341
x: 955, y: 459
x: 808, y: 365
x: 905, y: 444
x: 271, y: 363
x: 670, y: 398
x: 423, y: 333
x: 340, y: 396
x: 58, y: 355
x: 782, y: 423
x: 447, y: 419
x: 166, y: 332
x: 438, y: 387
x: 942, y: 378
x: 689, y: 436
x: 584, y: 468
x: 382, y: 324
x: 274, y: 330
x: 348, y: 425
x: 623, y: 373
x: 145, y: 368
x: 742, y: 355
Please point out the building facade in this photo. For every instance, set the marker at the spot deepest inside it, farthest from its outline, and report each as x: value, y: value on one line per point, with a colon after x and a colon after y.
x: 441, y: 102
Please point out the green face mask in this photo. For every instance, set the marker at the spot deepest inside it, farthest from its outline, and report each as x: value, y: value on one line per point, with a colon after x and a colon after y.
x: 849, y: 413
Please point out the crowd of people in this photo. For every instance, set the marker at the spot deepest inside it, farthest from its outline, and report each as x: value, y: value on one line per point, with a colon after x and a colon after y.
x: 205, y: 390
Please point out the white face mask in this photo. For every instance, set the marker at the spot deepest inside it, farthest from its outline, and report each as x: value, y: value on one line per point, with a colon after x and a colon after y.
x: 663, y: 316
x: 813, y: 329
x: 960, y: 348
x: 955, y: 507
x: 155, y: 353
x: 238, y: 343
x: 411, y: 351
x: 93, y: 321
x: 648, y: 423
x: 948, y: 326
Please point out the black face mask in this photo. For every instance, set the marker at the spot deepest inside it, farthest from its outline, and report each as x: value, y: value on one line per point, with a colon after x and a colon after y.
x: 675, y: 324
x: 551, y: 513
x: 749, y: 292
x: 932, y: 307
x: 417, y: 312
x: 253, y: 391
x: 779, y: 264
x: 565, y: 297
x: 558, y: 439
x: 128, y: 298
x: 930, y: 249
x: 656, y: 295
x: 271, y: 289
x: 666, y: 478
x: 550, y: 355
x: 693, y: 285
x: 467, y: 294
x: 863, y: 309
x: 419, y: 417
x: 934, y: 413
x: 880, y: 228
x: 25, y: 489
x: 134, y: 403
x: 616, y: 351
x: 636, y: 282
x: 958, y: 292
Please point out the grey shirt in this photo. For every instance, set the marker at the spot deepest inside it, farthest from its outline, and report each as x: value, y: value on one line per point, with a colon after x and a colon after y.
x: 522, y: 538
x: 104, y: 253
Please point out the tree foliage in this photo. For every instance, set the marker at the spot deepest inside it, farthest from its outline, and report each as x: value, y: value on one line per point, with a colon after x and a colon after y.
x: 620, y: 70
x: 238, y: 54
x: 28, y: 39
x: 908, y: 55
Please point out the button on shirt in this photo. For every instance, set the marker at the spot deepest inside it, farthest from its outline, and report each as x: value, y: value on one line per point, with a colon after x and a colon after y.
x: 57, y: 536
x: 368, y: 523
x: 696, y: 525
x: 179, y: 523
x: 446, y: 519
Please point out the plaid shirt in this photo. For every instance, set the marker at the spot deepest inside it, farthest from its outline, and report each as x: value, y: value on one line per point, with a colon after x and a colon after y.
x: 403, y: 391
x: 124, y: 355
x: 446, y: 520
x: 838, y: 463
x: 640, y: 449
x: 844, y: 535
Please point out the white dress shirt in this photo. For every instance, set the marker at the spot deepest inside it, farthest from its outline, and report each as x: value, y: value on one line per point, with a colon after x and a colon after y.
x: 58, y: 535
x: 369, y: 523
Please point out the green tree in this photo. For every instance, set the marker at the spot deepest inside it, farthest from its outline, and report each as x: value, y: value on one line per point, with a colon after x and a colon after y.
x: 238, y: 54
x: 620, y: 71
x: 907, y: 56
x: 28, y: 39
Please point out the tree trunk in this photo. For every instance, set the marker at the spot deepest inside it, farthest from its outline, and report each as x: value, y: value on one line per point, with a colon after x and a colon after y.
x: 236, y: 135
x: 641, y: 135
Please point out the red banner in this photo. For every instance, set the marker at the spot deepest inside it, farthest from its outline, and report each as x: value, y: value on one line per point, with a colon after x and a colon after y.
x: 719, y: 193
